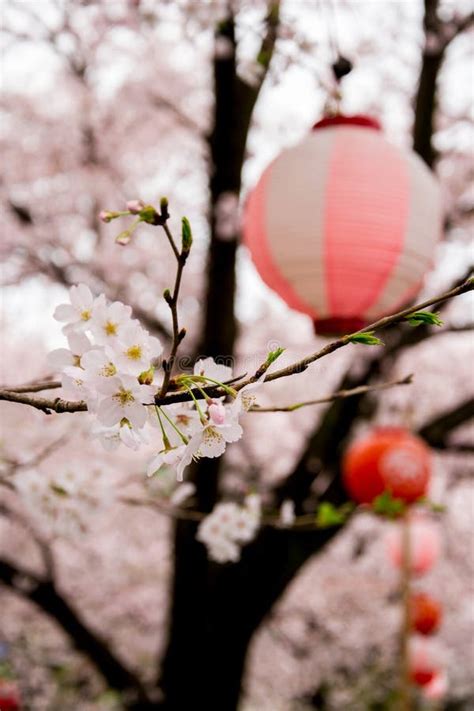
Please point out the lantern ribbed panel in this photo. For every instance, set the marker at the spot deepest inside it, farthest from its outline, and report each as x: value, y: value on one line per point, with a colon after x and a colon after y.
x: 343, y: 225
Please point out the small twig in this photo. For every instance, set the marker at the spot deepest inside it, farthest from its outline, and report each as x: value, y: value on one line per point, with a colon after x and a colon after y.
x: 171, y: 241
x: 303, y: 522
x: 339, y: 395
x: 172, y: 301
x: 33, y: 387
x: 14, y: 465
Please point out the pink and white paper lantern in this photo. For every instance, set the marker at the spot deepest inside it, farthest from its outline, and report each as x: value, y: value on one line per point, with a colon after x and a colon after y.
x: 343, y: 225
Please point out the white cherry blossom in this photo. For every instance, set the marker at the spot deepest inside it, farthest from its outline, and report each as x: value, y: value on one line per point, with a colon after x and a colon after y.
x: 78, y: 343
x: 124, y: 398
x: 228, y: 526
x: 74, y: 387
x: 167, y: 457
x: 122, y: 433
x: 213, y: 439
x: 209, y: 368
x: 97, y: 368
x: 78, y: 313
x: 135, y: 350
x: 109, y: 320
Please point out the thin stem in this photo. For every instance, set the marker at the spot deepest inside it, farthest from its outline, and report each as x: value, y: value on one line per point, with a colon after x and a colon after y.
x: 171, y: 241
x: 339, y: 395
x: 184, y: 439
x: 166, y: 441
x: 405, y: 579
x: 198, y: 407
x: 230, y: 391
x: 173, y: 304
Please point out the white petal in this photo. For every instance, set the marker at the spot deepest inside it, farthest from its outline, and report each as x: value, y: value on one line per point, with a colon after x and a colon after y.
x: 64, y: 313
x: 154, y: 465
x: 213, y: 444
x: 156, y: 348
x: 231, y: 433
x: 83, y: 295
x: 110, y: 412
x: 60, y: 358
x: 94, y: 359
x: 207, y: 366
x: 79, y: 343
x: 136, y: 413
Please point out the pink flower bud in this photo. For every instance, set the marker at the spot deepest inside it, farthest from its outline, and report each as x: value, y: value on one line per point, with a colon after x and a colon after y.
x: 217, y: 413
x: 123, y: 238
x: 425, y: 545
x: 135, y: 206
x: 105, y: 216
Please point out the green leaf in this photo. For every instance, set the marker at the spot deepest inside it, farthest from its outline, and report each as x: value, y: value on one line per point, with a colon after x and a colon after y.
x: 186, y: 235
x: 367, y: 338
x: 328, y: 515
x: 432, y: 505
x: 428, y: 318
x: 273, y: 355
x: 387, y: 505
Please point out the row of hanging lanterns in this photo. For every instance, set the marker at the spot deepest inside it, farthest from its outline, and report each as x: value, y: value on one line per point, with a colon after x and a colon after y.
x: 392, y: 460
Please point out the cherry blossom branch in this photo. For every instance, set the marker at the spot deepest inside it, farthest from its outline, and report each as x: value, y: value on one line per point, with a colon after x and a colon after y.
x: 339, y: 395
x: 46, y: 406
x: 60, y: 406
x: 300, y: 366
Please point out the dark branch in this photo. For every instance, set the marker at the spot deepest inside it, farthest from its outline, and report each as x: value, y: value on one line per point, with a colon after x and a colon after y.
x: 437, y: 431
x: 43, y: 593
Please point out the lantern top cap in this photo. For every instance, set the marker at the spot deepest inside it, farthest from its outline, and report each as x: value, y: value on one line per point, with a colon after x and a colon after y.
x: 356, y: 120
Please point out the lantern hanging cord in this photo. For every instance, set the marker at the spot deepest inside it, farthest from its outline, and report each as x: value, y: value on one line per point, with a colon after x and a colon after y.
x: 331, y: 22
x: 340, y: 65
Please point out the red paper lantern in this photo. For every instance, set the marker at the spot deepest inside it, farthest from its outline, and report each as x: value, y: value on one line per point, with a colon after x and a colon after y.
x: 389, y: 459
x: 9, y: 696
x: 425, y: 613
x: 343, y: 225
x: 424, y: 661
x: 425, y: 545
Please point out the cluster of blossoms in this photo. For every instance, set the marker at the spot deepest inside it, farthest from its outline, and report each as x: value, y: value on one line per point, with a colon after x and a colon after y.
x: 228, y: 527
x: 110, y: 364
x: 64, y: 501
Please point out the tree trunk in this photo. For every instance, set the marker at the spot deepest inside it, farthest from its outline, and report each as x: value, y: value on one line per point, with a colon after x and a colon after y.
x: 216, y: 610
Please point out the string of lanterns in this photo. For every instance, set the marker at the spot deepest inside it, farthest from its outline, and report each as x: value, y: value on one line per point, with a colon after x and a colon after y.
x: 393, y: 461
